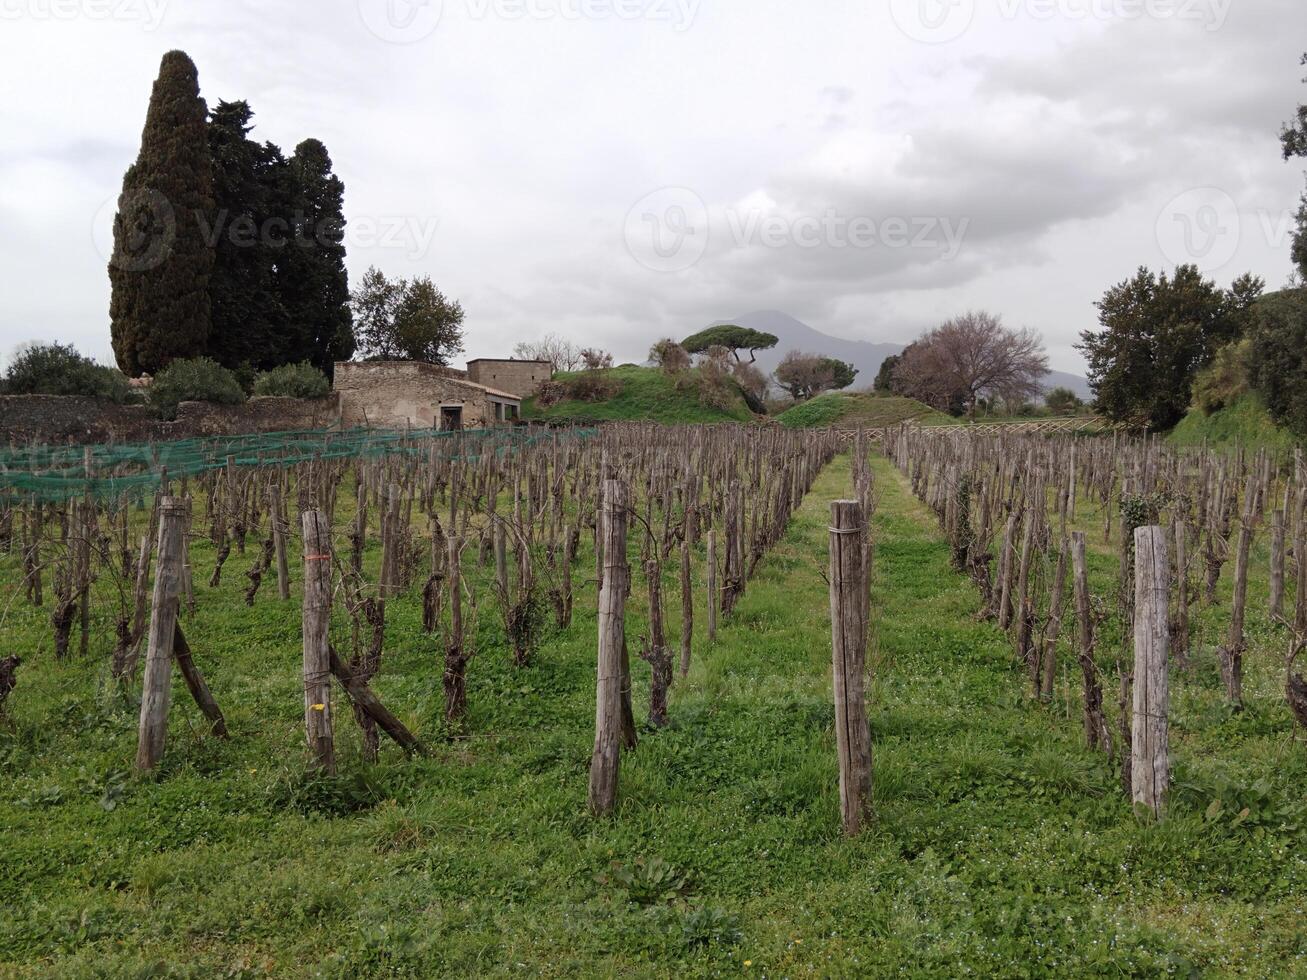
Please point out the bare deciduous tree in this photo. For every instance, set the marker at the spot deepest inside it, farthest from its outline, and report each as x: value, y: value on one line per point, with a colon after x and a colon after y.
x: 972, y: 356
x: 558, y: 351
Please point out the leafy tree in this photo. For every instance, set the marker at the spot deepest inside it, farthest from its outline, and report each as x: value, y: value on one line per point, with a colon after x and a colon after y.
x: 806, y: 375
x: 970, y: 357
x: 885, y: 375
x: 1277, y: 356
x: 406, y: 320
x: 1063, y: 401
x: 733, y: 338
x: 669, y: 355
x: 315, y: 285
x: 161, y: 264
x: 1158, y: 332
x: 194, y: 379
x: 57, y: 369
x: 250, y: 325
x: 842, y: 373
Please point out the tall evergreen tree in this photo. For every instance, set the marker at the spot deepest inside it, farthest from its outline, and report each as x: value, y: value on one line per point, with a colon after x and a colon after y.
x: 249, y: 233
x: 159, y: 273
x: 315, y: 283
x: 1293, y: 141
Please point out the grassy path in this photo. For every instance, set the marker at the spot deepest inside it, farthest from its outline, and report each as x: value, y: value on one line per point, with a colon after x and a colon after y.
x: 1001, y: 847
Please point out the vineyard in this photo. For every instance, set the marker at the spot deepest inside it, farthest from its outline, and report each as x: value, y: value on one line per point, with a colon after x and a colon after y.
x: 639, y: 699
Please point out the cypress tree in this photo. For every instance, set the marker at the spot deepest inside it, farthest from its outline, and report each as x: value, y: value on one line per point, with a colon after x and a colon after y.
x: 315, y: 285
x: 249, y: 323
x: 161, y: 261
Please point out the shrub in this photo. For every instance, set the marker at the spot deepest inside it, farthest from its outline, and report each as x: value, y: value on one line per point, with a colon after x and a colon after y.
x: 596, y: 359
x: 717, y: 389
x: 198, y: 379
x: 592, y: 386
x: 1063, y: 401
x: 57, y: 369
x: 1224, y: 380
x: 301, y: 380
x: 551, y: 393
x: 670, y: 356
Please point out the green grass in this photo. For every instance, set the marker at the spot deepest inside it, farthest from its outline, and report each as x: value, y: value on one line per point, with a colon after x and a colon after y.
x: 1001, y: 846
x: 1246, y: 422
x: 861, y: 409
x: 646, y: 395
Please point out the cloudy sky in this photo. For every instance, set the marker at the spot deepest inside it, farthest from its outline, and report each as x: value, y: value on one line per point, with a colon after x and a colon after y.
x: 620, y: 170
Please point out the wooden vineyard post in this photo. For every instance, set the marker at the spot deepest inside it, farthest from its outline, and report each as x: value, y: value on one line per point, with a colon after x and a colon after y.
x: 1180, y: 622
x: 1095, y: 725
x: 317, y: 650
x: 1150, y: 752
x: 712, y: 586
x: 456, y: 655
x: 612, y: 641
x: 156, y: 691
x: 277, y: 519
x: 687, y: 608
x: 848, y: 609
x: 1277, y: 565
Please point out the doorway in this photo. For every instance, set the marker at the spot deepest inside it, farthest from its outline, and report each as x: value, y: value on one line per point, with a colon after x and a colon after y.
x: 451, y: 419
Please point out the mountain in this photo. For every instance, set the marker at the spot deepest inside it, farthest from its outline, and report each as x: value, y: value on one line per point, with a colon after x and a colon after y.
x: 862, y: 354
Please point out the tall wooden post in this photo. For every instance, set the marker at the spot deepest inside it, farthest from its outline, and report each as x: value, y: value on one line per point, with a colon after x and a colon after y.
x: 1150, y: 750
x: 612, y: 641
x: 317, y: 649
x: 848, y: 609
x: 156, y: 692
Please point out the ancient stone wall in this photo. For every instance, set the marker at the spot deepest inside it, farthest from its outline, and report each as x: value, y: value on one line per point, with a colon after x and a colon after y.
x: 521, y: 378
x: 55, y: 419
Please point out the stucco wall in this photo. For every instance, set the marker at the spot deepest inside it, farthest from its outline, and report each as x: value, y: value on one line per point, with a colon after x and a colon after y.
x: 521, y: 378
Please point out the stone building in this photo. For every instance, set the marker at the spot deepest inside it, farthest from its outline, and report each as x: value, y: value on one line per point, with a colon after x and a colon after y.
x: 392, y: 394
x: 522, y: 378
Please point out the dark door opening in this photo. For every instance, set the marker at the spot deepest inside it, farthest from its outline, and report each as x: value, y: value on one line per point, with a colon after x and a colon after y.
x: 451, y: 419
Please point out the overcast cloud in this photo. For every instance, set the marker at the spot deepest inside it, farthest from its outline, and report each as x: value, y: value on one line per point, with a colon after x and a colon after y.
x: 621, y: 170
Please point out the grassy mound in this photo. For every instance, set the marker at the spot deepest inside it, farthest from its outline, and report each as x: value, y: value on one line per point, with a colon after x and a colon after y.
x: 859, y: 408
x: 1244, y: 422
x: 646, y: 395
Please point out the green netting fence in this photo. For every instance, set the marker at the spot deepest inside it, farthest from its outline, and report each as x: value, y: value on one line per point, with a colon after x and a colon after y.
x: 109, y: 471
